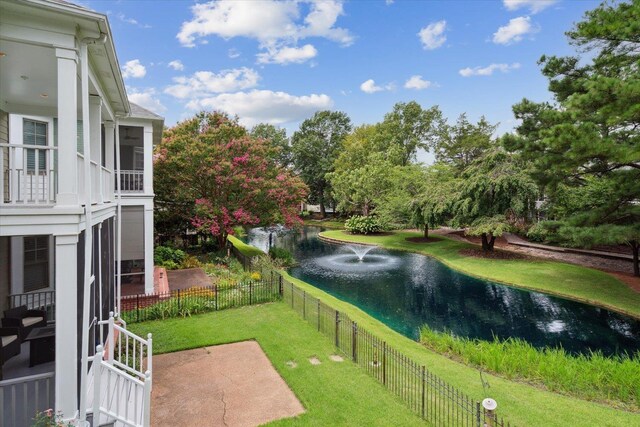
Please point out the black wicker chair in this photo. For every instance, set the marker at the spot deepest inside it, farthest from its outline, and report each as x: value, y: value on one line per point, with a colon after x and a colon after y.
x: 9, y: 345
x: 24, y: 319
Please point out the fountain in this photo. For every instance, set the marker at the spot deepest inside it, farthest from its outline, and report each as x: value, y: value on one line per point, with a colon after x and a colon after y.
x: 360, y: 251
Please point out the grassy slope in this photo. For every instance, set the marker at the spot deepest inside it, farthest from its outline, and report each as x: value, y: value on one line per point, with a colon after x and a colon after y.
x: 523, y: 404
x: 567, y: 280
x: 247, y: 250
x: 338, y: 224
x: 332, y: 393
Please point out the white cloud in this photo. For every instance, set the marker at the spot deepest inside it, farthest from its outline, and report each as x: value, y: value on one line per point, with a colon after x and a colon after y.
x: 488, y: 70
x: 370, y: 87
x: 127, y: 20
x: 146, y: 98
x: 264, y: 106
x: 276, y: 25
x: 514, y: 31
x: 287, y: 55
x: 432, y: 36
x: 176, y: 64
x: 133, y: 69
x: 205, y: 83
x: 233, y: 53
x: 534, y: 6
x: 388, y: 2
x: 417, y: 82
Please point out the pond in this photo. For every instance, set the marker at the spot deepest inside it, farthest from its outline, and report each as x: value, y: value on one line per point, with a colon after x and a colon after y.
x: 406, y: 290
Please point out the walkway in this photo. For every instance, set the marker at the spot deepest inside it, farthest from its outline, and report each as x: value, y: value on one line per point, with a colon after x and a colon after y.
x: 230, y: 385
x: 188, y: 278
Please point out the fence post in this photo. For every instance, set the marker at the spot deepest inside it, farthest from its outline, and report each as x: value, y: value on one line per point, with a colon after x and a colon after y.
x: 291, y: 295
x: 179, y: 307
x: 138, y: 307
x: 280, y: 289
x: 250, y: 292
x: 304, y: 305
x: 384, y: 362
x: 215, y: 290
x: 354, y: 343
x: 423, y: 389
x: 97, y: 376
x: 111, y: 338
x: 337, y: 329
x: 318, y: 313
x: 478, y: 415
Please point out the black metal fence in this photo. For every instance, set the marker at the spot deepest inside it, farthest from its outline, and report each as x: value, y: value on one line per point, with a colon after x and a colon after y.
x: 425, y: 393
x: 187, y: 302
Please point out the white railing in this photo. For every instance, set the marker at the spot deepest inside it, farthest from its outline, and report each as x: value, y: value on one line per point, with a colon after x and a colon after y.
x: 22, y: 398
x: 132, y: 181
x: 22, y: 183
x: 118, y: 396
x: 122, y: 376
x: 107, y: 185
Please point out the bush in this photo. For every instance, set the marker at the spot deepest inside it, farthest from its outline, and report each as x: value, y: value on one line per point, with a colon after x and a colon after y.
x: 282, y: 256
x: 538, y: 233
x: 363, y: 225
x: 168, y: 258
x: 190, y: 262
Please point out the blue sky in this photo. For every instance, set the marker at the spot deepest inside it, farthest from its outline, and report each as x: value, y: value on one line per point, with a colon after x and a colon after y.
x: 279, y: 62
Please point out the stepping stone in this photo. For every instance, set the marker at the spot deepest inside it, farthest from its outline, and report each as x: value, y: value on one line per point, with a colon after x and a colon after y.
x: 336, y: 358
x: 314, y: 361
x: 292, y: 364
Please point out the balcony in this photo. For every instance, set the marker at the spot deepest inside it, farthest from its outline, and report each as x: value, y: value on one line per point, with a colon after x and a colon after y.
x: 29, y: 176
x: 132, y: 181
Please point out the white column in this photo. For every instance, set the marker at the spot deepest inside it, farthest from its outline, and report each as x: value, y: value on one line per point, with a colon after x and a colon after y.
x: 66, y: 325
x: 95, y: 119
x: 148, y: 159
x: 67, y: 127
x: 148, y: 246
x: 109, y: 149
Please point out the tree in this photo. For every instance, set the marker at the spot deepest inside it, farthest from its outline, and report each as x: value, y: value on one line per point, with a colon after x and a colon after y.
x: 461, y: 144
x: 496, y: 191
x: 277, y: 138
x: 315, y: 147
x: 590, y: 135
x: 410, y: 127
x: 219, y: 177
x: 434, y: 205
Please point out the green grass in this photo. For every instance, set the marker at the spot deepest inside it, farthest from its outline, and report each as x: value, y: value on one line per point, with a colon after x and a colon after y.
x: 332, y: 393
x: 334, y: 224
x: 245, y: 249
x: 567, y: 280
x: 594, y: 377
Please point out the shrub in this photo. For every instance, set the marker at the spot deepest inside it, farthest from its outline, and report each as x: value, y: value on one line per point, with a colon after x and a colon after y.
x: 256, y: 276
x: 362, y: 225
x: 282, y: 256
x: 190, y: 262
x: 167, y: 257
x: 538, y: 233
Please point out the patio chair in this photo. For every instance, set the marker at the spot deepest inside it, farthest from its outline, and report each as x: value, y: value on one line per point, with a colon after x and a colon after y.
x: 9, y: 345
x: 24, y: 319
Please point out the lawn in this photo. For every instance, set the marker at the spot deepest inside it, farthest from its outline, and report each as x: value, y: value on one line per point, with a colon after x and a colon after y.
x: 245, y: 249
x: 522, y: 404
x: 333, y: 393
x: 567, y: 280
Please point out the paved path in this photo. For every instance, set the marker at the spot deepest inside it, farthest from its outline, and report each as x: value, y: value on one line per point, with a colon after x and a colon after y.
x: 188, y: 278
x: 231, y: 385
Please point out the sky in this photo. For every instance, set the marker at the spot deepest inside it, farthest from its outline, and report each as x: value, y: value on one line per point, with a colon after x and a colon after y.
x: 281, y: 61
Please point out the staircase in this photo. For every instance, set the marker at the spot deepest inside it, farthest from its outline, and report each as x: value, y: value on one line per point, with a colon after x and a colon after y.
x: 119, y: 382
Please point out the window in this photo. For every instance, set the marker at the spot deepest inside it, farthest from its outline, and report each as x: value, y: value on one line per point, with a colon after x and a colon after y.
x: 36, y: 263
x: 138, y: 158
x: 35, y: 133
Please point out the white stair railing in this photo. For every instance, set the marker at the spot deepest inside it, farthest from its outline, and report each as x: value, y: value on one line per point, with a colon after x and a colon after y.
x: 122, y: 377
x: 118, y: 396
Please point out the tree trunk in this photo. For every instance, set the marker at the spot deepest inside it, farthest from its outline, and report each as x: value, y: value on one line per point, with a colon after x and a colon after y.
x: 426, y: 231
x: 635, y: 246
x: 323, y: 211
x: 487, y: 243
x: 365, y: 209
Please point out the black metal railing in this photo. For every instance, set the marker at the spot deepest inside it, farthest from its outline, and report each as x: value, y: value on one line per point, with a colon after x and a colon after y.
x: 187, y: 302
x: 38, y: 300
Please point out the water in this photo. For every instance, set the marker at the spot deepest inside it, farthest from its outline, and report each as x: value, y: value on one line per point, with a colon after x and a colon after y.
x: 406, y: 291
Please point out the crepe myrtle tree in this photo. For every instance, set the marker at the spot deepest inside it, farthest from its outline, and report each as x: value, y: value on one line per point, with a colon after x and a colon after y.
x: 495, y: 191
x: 224, y: 177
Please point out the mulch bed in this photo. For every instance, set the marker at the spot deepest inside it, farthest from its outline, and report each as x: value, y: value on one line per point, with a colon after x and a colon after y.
x: 423, y: 239
x: 495, y: 254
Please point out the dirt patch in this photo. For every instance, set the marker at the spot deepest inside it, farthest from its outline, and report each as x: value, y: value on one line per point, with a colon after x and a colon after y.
x: 314, y: 360
x: 629, y: 279
x: 230, y: 385
x: 423, y: 239
x: 336, y: 358
x: 495, y: 254
x: 292, y: 364
x: 188, y: 278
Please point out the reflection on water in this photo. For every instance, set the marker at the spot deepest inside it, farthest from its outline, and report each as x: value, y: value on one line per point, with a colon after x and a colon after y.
x: 406, y: 290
